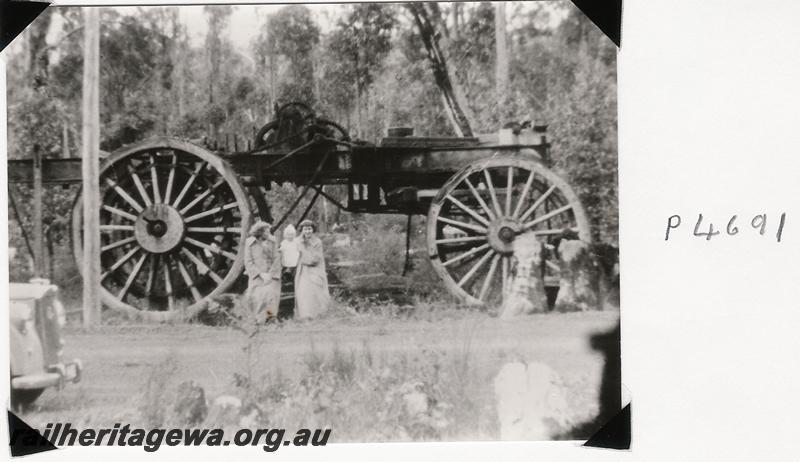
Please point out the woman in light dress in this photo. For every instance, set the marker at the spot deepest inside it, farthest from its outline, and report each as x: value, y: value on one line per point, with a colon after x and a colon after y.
x: 262, y: 263
x: 311, y: 282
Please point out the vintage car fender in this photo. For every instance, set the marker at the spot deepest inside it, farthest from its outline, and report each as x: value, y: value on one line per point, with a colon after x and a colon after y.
x: 35, y: 318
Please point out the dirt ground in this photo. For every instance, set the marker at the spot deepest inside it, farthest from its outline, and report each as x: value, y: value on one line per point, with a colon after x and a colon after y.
x: 119, y: 359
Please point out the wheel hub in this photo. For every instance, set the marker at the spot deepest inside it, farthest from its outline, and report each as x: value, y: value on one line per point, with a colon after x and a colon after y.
x: 506, y: 234
x: 502, y: 233
x: 159, y: 228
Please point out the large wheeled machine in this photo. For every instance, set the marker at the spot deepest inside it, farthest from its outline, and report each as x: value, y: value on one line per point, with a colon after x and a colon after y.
x: 174, y: 214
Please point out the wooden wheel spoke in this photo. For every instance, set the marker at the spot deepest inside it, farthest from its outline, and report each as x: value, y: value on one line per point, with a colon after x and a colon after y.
x: 210, y: 248
x: 461, y: 224
x: 151, y: 277
x: 550, y: 232
x: 170, y: 179
x: 214, y: 230
x: 168, y: 286
x: 466, y: 254
x: 475, y: 268
x: 140, y: 187
x: 119, y: 212
x: 121, y: 261
x: 524, y: 194
x: 118, y: 243
x: 488, y: 282
x: 201, y: 197
x: 456, y: 240
x: 202, y: 266
x: 509, y: 189
x: 493, y: 193
x: 213, y: 211
x: 154, y: 180
x: 465, y: 208
x: 537, y: 203
x: 477, y: 195
x: 137, y: 268
x: 547, y: 216
x: 188, y: 281
x: 188, y: 184
x: 124, y: 195
x: 506, y: 264
x: 116, y: 227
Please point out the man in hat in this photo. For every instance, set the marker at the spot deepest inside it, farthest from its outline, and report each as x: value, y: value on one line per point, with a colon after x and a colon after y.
x: 311, y: 281
x: 262, y: 263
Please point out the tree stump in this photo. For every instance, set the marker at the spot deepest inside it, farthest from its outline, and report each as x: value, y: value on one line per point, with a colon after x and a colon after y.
x: 577, y: 288
x: 526, y: 293
x: 607, y: 259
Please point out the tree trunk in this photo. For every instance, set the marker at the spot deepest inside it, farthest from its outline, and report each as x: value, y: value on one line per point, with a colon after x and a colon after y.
x: 359, y: 119
x: 272, y: 101
x: 452, y: 96
x: 180, y: 55
x: 39, y: 56
x: 359, y: 128
x: 501, y: 63
x: 181, y: 90
x: 577, y: 279
x: 25, y: 47
x: 456, y: 21
x: 317, y: 74
x: 64, y: 139
x: 38, y: 230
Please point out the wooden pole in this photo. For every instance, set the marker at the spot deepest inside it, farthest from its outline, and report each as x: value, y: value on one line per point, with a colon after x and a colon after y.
x: 91, y: 168
x: 501, y: 65
x: 38, y: 234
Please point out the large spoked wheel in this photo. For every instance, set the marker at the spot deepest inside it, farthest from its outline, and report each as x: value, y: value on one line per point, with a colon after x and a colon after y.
x: 476, y: 216
x: 172, y: 218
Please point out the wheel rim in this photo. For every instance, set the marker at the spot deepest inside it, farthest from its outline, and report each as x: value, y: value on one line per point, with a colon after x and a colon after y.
x: 476, y: 216
x: 171, y: 220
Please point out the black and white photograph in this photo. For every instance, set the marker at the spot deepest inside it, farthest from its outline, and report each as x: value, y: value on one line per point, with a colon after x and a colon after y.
x: 274, y: 225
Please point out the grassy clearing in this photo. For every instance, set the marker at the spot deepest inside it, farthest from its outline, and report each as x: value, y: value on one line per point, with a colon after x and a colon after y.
x: 384, y: 372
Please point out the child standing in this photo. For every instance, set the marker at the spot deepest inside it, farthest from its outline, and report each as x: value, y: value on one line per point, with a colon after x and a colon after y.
x: 290, y: 254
